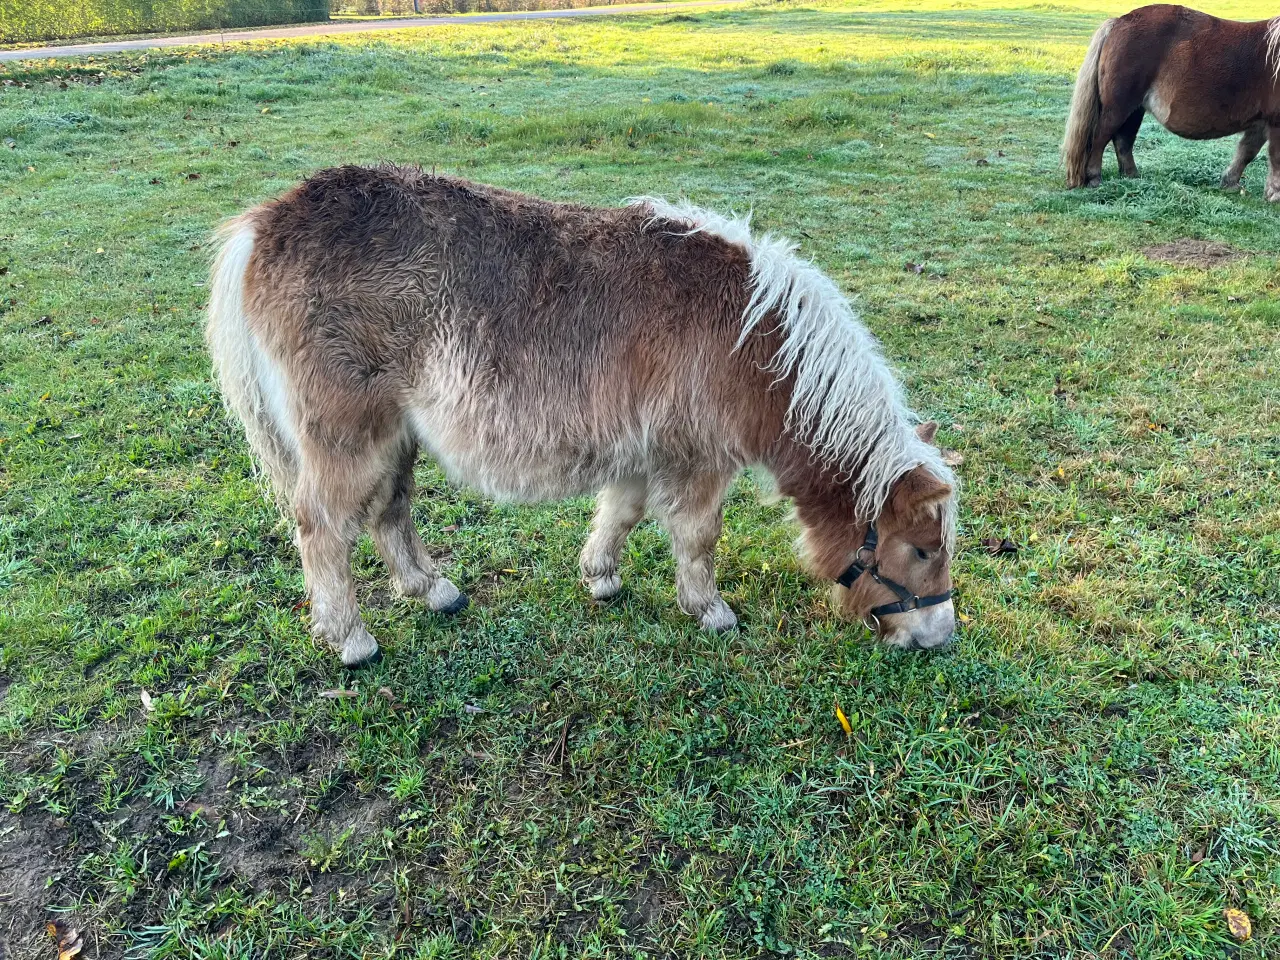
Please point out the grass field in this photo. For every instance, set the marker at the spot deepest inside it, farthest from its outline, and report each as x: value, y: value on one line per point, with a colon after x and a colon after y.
x: 1092, y: 772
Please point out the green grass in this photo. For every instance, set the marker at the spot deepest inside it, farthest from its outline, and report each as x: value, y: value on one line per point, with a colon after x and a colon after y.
x: 1091, y: 773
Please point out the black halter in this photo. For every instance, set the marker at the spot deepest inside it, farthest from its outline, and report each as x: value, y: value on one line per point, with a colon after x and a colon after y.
x: 906, y: 599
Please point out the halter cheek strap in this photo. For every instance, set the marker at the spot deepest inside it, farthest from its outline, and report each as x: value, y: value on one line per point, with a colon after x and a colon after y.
x: 906, y: 599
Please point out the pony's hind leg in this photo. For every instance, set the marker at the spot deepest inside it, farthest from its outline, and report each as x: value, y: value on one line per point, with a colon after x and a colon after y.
x: 690, y: 509
x: 1112, y: 121
x: 332, y: 498
x: 618, y: 509
x: 397, y: 540
x: 1250, y: 143
x: 1123, y: 139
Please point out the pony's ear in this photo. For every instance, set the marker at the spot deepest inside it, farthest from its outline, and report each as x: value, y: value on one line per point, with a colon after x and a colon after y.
x: 917, y: 491
x: 927, y: 431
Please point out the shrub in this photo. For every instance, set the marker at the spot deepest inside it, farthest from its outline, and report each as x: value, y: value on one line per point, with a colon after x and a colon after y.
x: 27, y: 20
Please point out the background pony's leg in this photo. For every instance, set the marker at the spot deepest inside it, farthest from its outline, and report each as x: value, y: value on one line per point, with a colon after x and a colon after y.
x: 1123, y: 142
x: 1273, y: 154
x: 1250, y: 143
x: 690, y: 509
x: 331, y: 501
x: 618, y: 509
x: 397, y: 539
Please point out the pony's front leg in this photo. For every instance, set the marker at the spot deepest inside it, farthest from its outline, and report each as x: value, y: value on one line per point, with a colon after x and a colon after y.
x: 690, y: 509
x: 618, y: 509
x: 1273, y: 154
x: 1251, y: 142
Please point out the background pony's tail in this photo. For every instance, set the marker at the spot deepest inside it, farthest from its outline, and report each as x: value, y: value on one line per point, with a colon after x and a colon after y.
x: 253, y: 385
x: 1086, y: 111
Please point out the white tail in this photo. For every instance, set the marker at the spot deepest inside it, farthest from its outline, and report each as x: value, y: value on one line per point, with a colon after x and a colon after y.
x: 1086, y: 111
x: 252, y: 384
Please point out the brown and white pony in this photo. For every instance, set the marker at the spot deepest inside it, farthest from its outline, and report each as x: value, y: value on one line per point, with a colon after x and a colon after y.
x: 1199, y: 76
x: 541, y: 350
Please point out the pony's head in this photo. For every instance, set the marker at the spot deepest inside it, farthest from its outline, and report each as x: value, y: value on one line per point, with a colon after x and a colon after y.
x: 899, y: 581
x: 895, y: 573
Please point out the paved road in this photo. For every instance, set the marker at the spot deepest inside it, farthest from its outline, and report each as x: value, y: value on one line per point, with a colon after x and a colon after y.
x: 328, y: 29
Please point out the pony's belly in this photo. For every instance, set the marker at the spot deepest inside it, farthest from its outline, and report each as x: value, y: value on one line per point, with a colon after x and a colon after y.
x: 1195, y: 122
x: 508, y: 461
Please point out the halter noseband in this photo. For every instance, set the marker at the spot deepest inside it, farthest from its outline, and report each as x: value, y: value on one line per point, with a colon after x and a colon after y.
x: 906, y: 599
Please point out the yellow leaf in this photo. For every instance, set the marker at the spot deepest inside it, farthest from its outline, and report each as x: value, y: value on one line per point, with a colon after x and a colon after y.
x: 1238, y: 924
x: 844, y: 721
x: 964, y: 618
x: 931, y: 136
x: 1033, y: 538
x: 266, y: 109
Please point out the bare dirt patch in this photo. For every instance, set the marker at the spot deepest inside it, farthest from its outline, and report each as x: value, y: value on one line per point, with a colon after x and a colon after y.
x: 1194, y: 253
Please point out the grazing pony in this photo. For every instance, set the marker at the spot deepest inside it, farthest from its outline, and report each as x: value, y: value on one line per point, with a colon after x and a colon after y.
x: 541, y: 350
x: 1199, y: 76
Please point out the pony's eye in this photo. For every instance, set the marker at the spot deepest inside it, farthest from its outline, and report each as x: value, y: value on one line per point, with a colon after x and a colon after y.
x: 922, y: 554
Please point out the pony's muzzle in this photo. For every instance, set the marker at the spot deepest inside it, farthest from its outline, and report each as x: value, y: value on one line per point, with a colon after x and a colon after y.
x: 927, y: 628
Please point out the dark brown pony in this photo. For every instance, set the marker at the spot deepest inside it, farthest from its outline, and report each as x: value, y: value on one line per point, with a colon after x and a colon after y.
x: 1199, y: 76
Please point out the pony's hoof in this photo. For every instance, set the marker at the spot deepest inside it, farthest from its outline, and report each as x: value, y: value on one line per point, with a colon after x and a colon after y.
x: 1093, y: 182
x: 718, y: 618
x: 457, y: 606
x: 359, y: 650
x: 1228, y: 184
x: 445, y: 598
x: 605, y: 588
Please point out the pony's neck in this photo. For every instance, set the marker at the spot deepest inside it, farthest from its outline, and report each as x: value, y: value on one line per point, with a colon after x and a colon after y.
x: 825, y: 504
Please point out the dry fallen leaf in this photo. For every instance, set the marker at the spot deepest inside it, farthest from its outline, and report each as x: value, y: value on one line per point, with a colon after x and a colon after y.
x: 66, y: 940
x: 1238, y: 924
x: 844, y: 721
x: 996, y: 546
x: 952, y: 458
x: 339, y: 694
x: 964, y: 618
x: 147, y: 704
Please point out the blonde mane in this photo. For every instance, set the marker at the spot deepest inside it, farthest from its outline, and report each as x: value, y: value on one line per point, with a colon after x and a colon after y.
x: 1273, y: 47
x: 847, y: 404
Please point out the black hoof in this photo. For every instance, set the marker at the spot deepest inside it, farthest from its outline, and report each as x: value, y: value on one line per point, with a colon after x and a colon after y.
x: 369, y: 661
x: 458, y: 605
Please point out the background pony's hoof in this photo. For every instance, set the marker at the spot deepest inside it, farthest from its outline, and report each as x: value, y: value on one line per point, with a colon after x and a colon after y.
x: 718, y: 617
x: 1229, y: 184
